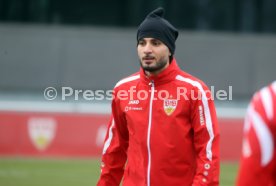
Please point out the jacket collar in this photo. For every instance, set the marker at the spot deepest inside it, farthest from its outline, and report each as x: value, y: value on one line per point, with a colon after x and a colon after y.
x: 165, y: 76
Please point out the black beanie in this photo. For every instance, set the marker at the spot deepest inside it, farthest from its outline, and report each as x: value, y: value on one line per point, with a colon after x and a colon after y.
x: 157, y: 27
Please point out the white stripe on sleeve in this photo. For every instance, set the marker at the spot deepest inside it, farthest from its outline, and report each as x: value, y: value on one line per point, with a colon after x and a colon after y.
x: 274, y: 87
x: 131, y: 78
x: 264, y: 137
x: 110, y: 136
x: 208, y: 119
x: 267, y: 102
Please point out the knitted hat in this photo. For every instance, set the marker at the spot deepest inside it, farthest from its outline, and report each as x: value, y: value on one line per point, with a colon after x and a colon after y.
x: 157, y: 27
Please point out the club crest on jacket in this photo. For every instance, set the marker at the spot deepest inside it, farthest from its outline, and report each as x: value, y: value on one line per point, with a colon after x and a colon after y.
x: 170, y: 106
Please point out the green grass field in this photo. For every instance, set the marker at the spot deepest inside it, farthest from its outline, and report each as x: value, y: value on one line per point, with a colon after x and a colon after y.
x: 68, y: 172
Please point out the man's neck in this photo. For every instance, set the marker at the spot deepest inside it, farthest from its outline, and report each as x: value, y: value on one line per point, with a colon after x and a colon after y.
x: 155, y: 73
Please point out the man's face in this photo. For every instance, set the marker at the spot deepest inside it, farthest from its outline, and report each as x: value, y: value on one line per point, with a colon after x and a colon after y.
x: 153, y: 55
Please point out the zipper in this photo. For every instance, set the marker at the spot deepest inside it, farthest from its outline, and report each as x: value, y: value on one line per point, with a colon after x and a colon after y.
x: 149, y: 130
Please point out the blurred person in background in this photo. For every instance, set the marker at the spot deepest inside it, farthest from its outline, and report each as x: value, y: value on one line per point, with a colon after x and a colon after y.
x: 258, y: 161
x: 163, y: 139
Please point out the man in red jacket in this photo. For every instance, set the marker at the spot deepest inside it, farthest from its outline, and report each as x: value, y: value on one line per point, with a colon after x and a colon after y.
x: 258, y: 163
x: 163, y: 130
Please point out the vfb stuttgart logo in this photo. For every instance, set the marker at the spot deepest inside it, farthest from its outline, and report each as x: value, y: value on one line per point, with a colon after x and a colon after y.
x: 42, y: 131
x: 170, y: 106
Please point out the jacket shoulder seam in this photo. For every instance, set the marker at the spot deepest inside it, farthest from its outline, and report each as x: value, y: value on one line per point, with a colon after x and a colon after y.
x: 128, y: 79
x: 194, y: 82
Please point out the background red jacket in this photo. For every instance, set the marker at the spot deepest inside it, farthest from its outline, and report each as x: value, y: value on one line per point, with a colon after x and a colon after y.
x: 258, y: 163
x: 163, y: 131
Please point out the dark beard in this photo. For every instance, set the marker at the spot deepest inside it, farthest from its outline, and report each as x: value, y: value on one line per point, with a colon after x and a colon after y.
x: 159, y: 65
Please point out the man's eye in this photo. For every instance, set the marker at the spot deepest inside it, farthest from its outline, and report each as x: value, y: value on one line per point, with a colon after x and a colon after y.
x: 141, y: 43
x: 156, y: 43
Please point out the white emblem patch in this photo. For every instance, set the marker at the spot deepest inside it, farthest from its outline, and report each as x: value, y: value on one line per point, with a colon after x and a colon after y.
x: 41, y: 131
x: 170, y: 106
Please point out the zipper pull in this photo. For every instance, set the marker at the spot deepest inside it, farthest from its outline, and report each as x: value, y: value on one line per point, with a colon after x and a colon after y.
x: 151, y: 83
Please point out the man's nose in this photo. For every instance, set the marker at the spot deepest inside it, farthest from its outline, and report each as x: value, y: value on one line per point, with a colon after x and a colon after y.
x: 148, y: 49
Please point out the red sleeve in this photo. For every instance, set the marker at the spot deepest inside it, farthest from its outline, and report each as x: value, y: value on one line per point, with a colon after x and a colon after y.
x: 115, y: 149
x: 206, y: 138
x: 256, y: 167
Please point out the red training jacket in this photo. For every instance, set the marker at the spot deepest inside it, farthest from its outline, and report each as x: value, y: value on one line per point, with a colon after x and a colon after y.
x: 163, y: 131
x: 258, y: 162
